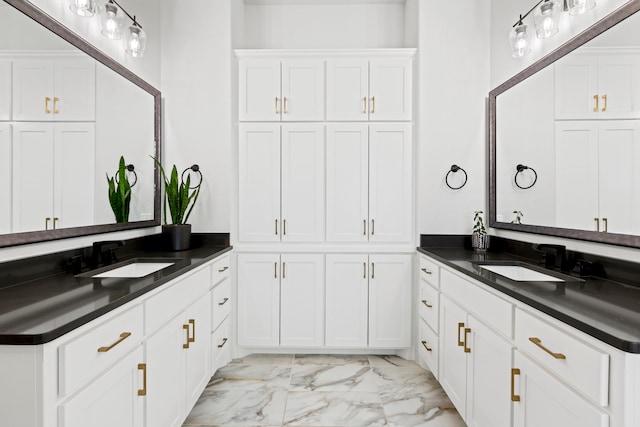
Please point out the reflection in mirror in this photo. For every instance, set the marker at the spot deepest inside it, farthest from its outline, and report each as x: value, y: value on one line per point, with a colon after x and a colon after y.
x: 574, y: 118
x: 67, y: 114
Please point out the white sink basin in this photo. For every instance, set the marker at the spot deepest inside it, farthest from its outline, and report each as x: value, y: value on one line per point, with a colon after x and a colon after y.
x: 520, y: 273
x: 135, y: 269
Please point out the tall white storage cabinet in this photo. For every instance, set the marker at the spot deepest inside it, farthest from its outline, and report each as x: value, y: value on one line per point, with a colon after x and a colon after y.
x: 325, y: 199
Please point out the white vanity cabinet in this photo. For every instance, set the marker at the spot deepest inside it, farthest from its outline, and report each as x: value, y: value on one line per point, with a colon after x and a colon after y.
x: 598, y: 84
x: 221, y: 304
x: 5, y: 89
x: 54, y: 88
x: 281, y: 183
x: 281, y: 90
x: 367, y: 300
x: 369, y: 182
x: 52, y: 169
x: 428, y: 308
x: 361, y: 89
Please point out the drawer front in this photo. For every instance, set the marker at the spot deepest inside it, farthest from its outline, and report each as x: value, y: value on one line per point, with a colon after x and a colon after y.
x: 221, y: 303
x: 428, y: 305
x: 221, y: 345
x: 92, y: 352
x: 220, y: 269
x: 175, y: 298
x: 584, y: 367
x: 429, y: 271
x: 428, y: 348
x: 491, y: 309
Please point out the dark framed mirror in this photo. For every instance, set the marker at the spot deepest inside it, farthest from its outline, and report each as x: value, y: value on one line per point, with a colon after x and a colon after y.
x: 564, y: 138
x: 56, y: 157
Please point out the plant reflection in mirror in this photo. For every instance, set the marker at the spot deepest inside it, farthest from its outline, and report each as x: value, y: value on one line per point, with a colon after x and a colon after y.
x: 518, y: 219
x: 120, y: 192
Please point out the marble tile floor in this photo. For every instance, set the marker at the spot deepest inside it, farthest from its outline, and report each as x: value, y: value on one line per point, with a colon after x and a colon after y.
x: 325, y: 391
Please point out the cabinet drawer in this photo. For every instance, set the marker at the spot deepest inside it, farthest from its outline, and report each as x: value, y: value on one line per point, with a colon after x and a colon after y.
x: 428, y: 348
x: 584, y: 367
x: 221, y: 344
x: 221, y: 303
x: 220, y: 269
x: 89, y: 354
x: 429, y: 303
x: 429, y: 272
x: 491, y: 309
x: 175, y: 298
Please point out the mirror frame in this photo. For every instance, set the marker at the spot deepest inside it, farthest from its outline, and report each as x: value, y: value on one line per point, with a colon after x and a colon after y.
x: 57, y: 28
x: 599, y: 27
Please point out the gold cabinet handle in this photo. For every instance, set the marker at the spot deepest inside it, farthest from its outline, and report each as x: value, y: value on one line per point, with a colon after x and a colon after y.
x: 604, y: 98
x: 186, y: 328
x: 364, y: 270
x: 514, y: 396
x: 143, y: 367
x: 284, y: 227
x: 364, y: 108
x: 277, y: 110
x: 123, y: 336
x: 276, y: 226
x: 46, y: 223
x: 597, y: 107
x: 373, y: 227
x: 426, y: 271
x: 55, y: 222
x: 224, y: 341
x: 460, y: 342
x: 275, y: 270
x: 424, y: 301
x: 46, y: 105
x: 192, y: 322
x: 424, y: 344
x: 224, y: 301
x: 284, y: 105
x: 604, y: 221
x: 223, y: 269
x: 364, y: 227
x: 597, y: 220
x: 467, y: 331
x: 373, y: 104
x: 284, y: 270
x: 373, y: 270
x: 538, y: 342
x: 56, y: 100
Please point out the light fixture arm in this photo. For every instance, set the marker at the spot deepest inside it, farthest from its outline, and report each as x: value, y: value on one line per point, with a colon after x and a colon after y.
x: 565, y: 7
x: 133, y: 18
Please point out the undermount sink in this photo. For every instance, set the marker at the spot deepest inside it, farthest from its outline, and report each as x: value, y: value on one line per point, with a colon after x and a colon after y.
x: 519, y: 272
x: 134, y: 270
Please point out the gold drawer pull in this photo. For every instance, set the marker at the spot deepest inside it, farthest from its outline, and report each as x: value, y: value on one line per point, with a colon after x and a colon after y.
x: 373, y: 105
x: 466, y: 334
x: 143, y: 367
x: 426, y: 271
x: 192, y: 322
x: 186, y: 328
x: 224, y: 301
x: 46, y: 105
x: 277, y: 110
x: 223, y: 269
x: 424, y: 301
x: 604, y: 220
x: 597, y: 107
x: 424, y: 344
x: 123, y: 336
x: 460, y: 342
x: 364, y: 100
x: 538, y: 342
x: 514, y: 396
x: 46, y: 223
x: 284, y: 104
x: 597, y: 220
x: 55, y: 222
x: 604, y: 98
x: 224, y: 341
x: 56, y: 100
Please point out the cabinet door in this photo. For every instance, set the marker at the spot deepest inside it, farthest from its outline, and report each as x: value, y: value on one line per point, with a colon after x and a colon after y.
x: 390, y: 90
x: 390, y: 182
x: 6, y: 177
x: 259, y: 90
x: 74, y: 172
x: 390, y: 301
x: 619, y: 181
x: 347, y: 182
x: 576, y: 172
x: 111, y: 400
x: 347, y: 301
x: 488, y: 380
x: 164, y: 351
x: 576, y: 85
x: 75, y: 89
x: 302, y: 183
x: 347, y: 90
x: 302, y: 300
x: 545, y: 401
x: 5, y: 90
x: 259, y: 183
x: 453, y: 359
x: 303, y: 90
x: 32, y: 177
x: 198, y: 355
x: 33, y: 90
x: 619, y: 82
x: 258, y: 300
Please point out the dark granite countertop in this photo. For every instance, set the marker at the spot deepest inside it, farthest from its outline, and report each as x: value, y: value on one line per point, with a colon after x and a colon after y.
x: 42, y: 298
x: 603, y: 307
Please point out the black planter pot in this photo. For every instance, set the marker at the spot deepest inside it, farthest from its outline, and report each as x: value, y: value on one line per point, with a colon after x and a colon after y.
x: 177, y: 237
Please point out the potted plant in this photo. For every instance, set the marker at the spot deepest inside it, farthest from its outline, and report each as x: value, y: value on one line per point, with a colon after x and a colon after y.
x: 180, y: 197
x: 120, y: 192
x: 518, y: 219
x: 479, y: 236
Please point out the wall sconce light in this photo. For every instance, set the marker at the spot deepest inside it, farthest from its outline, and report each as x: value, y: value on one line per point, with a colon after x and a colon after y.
x: 546, y: 18
x: 520, y: 40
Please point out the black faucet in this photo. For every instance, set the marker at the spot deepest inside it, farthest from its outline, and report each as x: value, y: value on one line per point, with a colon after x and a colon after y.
x: 98, y: 255
x: 553, y: 256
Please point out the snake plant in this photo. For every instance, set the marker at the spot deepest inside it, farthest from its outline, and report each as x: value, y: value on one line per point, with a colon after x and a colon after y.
x: 178, y: 196
x: 120, y: 193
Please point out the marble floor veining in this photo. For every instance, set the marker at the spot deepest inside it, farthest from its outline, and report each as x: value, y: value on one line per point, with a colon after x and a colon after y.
x: 325, y: 391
